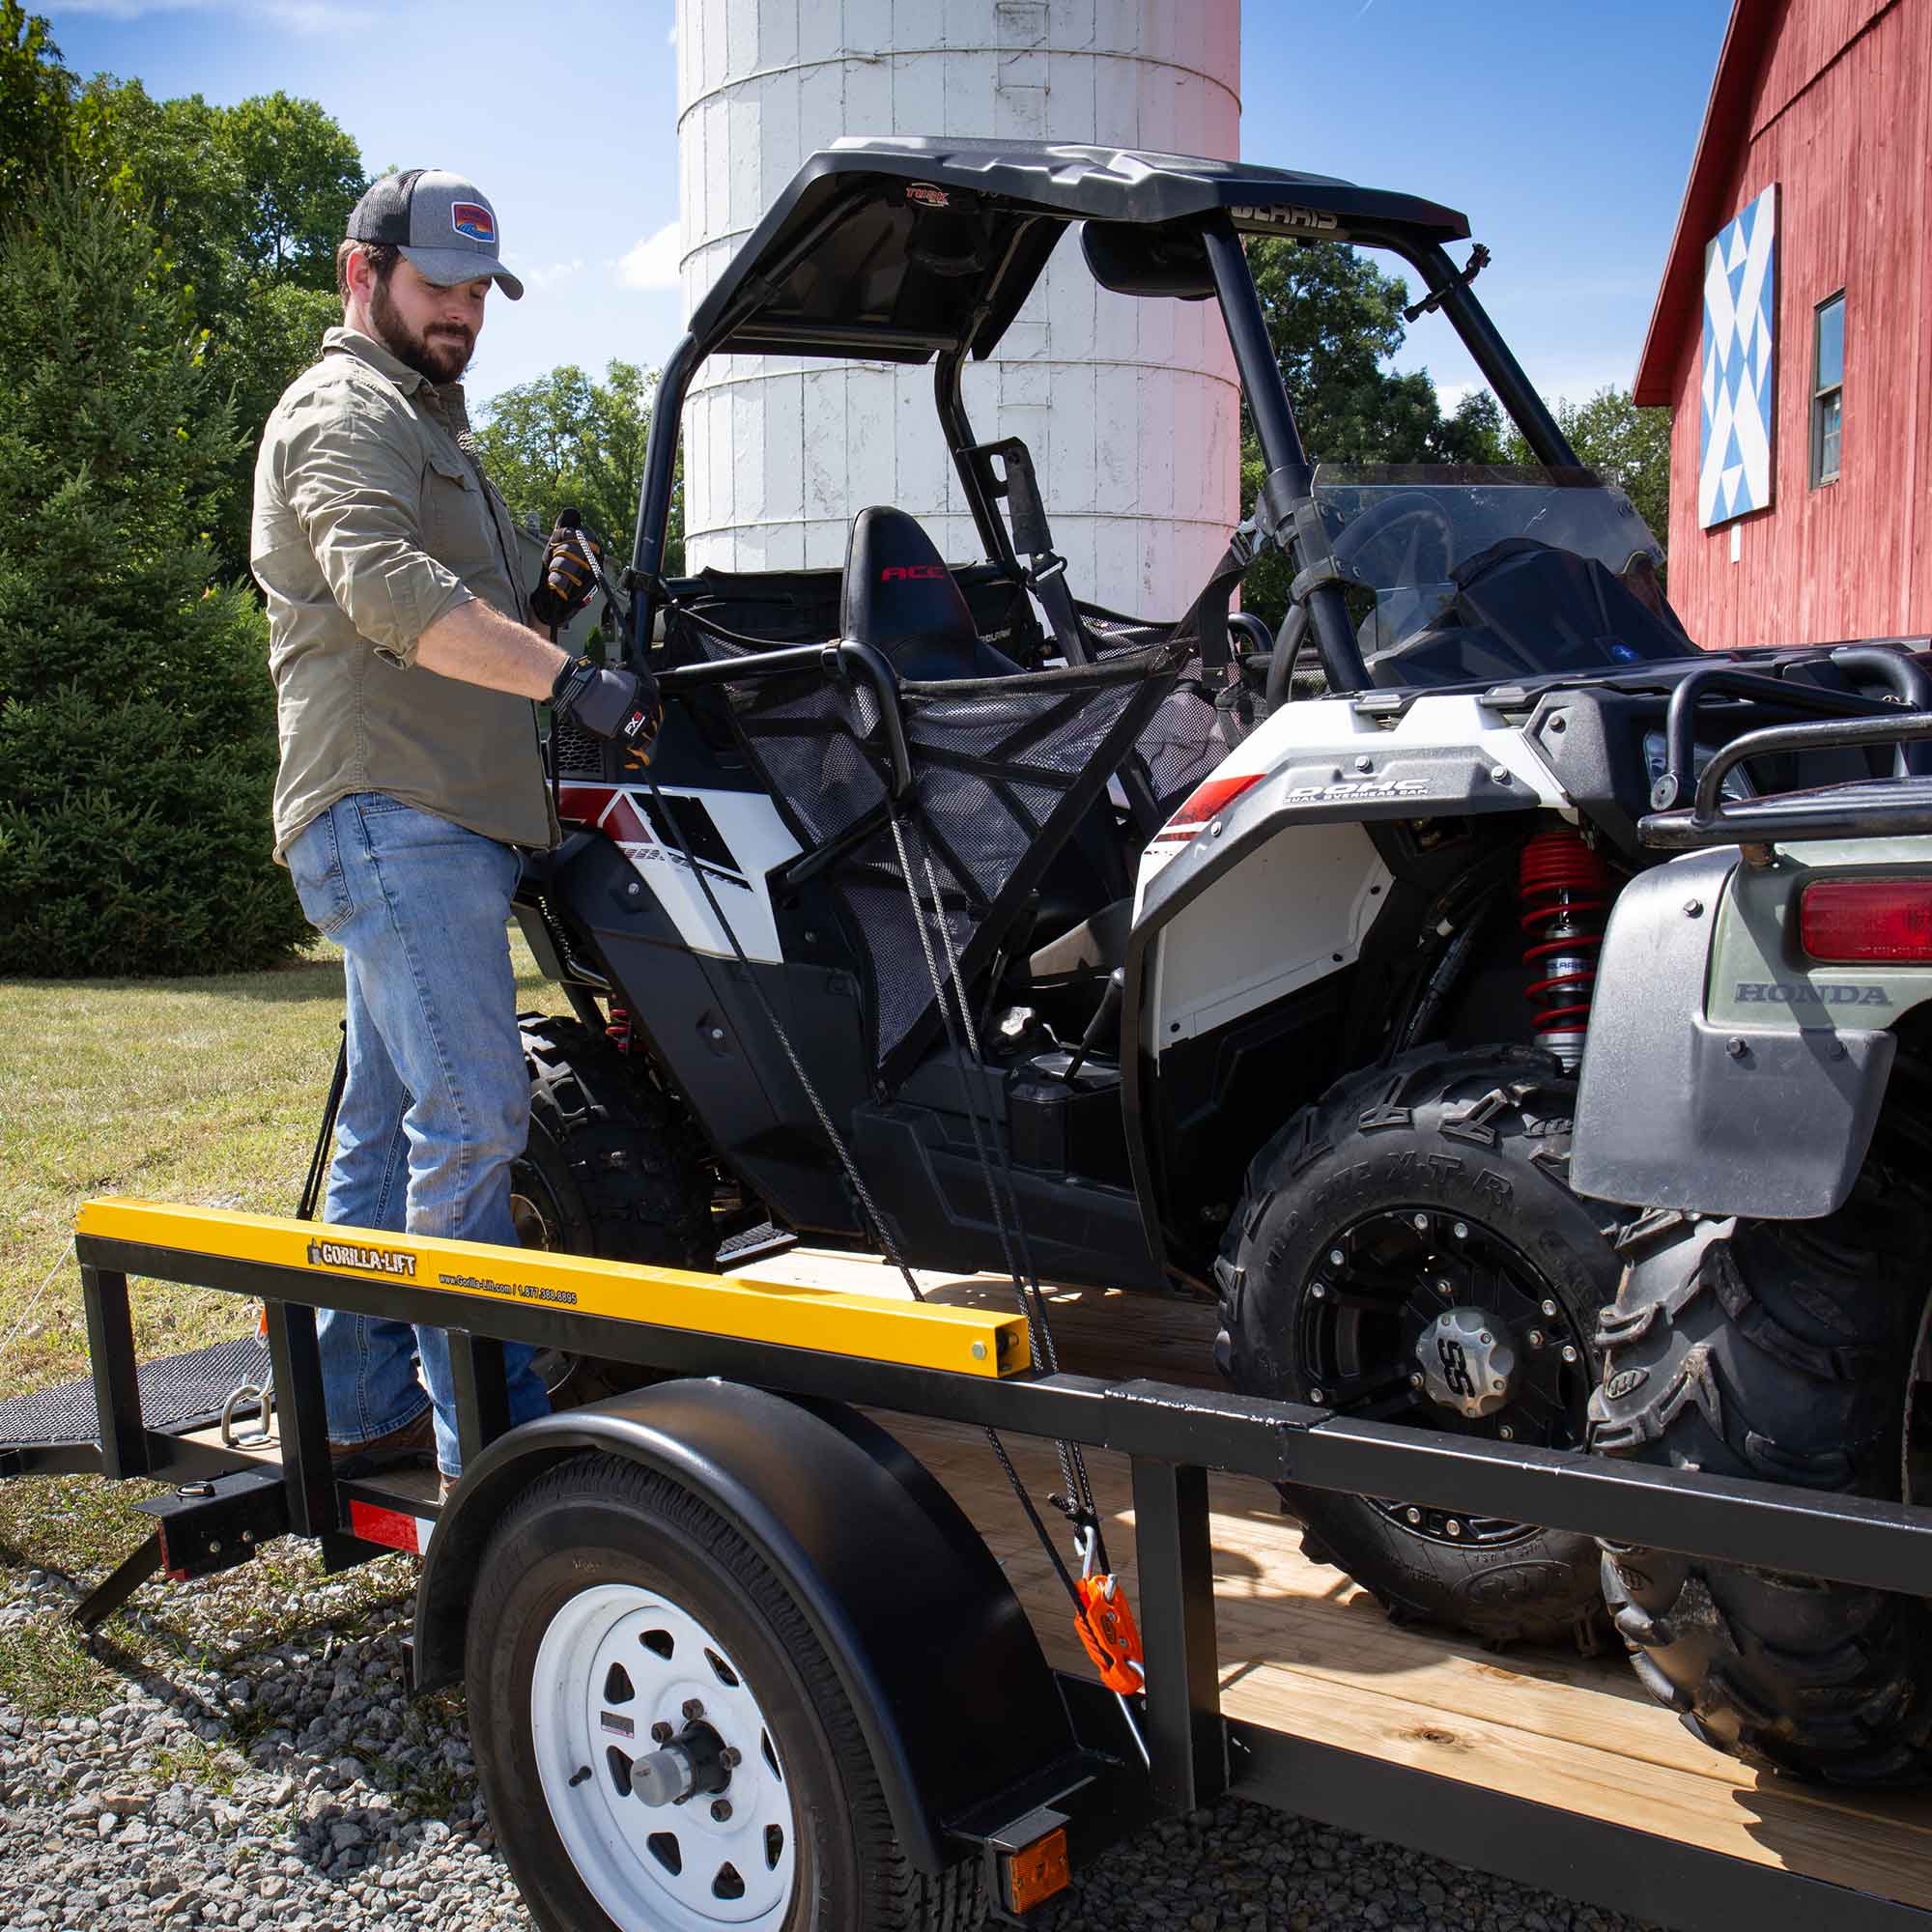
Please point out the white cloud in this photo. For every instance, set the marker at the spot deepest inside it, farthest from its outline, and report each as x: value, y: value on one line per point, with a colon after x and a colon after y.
x: 653, y: 264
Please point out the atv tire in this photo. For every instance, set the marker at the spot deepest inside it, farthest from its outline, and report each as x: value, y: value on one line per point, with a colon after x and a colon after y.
x: 1326, y: 1297
x: 611, y: 1170
x: 1785, y: 1351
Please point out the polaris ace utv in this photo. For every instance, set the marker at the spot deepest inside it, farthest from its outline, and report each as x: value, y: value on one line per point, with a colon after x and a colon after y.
x: 1002, y: 930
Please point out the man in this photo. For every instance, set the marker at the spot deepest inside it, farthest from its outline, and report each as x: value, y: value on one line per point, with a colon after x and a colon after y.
x: 404, y: 666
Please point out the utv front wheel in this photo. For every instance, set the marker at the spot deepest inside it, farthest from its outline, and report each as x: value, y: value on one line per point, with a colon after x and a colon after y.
x: 617, y: 1615
x: 609, y: 1170
x: 1786, y: 1352
x: 1407, y: 1251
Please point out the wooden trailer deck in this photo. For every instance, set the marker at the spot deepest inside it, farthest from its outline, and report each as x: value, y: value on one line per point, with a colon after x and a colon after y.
x: 1303, y: 1651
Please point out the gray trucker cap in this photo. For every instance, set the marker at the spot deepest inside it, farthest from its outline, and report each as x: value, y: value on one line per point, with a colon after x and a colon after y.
x: 445, y: 229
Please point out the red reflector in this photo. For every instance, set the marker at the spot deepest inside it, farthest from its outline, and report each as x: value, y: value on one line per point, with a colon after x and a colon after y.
x: 1846, y: 919
x: 1207, y: 801
x: 376, y: 1524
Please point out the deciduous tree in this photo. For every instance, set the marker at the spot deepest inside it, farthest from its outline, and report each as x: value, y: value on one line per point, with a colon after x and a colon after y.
x: 566, y: 440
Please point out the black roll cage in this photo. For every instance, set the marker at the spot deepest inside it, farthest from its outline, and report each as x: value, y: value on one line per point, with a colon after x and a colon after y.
x: 1286, y: 512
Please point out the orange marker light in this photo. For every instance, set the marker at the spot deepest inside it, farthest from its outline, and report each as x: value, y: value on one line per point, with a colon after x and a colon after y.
x: 1037, y: 1872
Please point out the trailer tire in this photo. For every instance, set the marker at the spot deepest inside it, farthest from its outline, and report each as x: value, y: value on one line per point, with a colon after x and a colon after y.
x: 598, y: 1541
x: 1784, y: 1352
x: 1475, y: 1140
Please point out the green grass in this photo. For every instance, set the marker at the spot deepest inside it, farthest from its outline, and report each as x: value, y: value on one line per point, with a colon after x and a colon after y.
x: 46, y: 1670
x: 200, y: 1091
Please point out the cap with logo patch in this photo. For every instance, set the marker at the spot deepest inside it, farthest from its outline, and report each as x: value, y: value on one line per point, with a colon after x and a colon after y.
x: 445, y: 229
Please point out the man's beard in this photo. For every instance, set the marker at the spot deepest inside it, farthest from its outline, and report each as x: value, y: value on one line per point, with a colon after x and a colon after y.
x: 439, y: 355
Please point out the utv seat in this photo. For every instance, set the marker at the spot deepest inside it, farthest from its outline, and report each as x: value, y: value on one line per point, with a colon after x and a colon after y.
x: 899, y: 597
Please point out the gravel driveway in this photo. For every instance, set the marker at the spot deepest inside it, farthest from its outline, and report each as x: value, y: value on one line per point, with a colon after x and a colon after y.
x: 248, y: 1758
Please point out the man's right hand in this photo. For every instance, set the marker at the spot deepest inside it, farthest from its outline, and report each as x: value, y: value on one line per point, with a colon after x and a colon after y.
x: 568, y: 577
x: 616, y: 705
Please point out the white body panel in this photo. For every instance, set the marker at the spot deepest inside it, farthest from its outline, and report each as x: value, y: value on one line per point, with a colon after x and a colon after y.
x: 1292, y: 914
x: 1130, y: 406
x: 1298, y: 907
x: 1297, y: 733
x: 753, y: 834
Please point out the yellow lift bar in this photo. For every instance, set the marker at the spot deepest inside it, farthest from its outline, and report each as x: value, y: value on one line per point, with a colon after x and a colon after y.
x: 916, y: 1334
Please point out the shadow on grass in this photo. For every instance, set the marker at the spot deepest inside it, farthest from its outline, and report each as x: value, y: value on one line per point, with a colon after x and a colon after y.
x: 311, y: 979
x: 299, y: 981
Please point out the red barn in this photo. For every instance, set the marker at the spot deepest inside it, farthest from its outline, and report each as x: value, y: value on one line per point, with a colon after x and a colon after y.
x: 1791, y: 332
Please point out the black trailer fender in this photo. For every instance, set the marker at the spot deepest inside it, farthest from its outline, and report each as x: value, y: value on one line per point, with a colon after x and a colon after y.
x: 930, y: 1644
x: 1683, y: 1103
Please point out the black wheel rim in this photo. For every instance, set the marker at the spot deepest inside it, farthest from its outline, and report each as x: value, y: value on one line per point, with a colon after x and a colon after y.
x: 534, y: 1208
x: 1380, y: 1286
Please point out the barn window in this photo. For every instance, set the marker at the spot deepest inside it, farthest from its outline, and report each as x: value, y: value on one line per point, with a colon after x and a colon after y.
x: 1827, y: 387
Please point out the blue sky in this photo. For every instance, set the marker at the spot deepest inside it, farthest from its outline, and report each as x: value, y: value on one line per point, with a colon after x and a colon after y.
x: 1564, y: 129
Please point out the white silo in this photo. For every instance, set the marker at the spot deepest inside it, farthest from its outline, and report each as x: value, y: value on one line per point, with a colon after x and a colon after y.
x: 1129, y: 407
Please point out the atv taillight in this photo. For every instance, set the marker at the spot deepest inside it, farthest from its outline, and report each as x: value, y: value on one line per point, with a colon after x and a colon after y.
x: 1843, y: 920
x: 1205, y: 803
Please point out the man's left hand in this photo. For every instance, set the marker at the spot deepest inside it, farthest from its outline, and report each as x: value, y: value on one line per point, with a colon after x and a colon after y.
x: 616, y: 705
x: 568, y: 577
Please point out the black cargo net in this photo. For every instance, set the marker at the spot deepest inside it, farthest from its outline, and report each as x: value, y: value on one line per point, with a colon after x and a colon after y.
x: 1188, y: 734
x: 1004, y: 769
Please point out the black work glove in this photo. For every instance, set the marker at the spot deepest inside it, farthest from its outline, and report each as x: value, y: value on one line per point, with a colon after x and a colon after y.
x: 616, y: 705
x: 568, y: 578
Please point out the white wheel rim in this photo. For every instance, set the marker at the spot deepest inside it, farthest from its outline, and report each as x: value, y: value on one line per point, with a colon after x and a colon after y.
x: 669, y: 1868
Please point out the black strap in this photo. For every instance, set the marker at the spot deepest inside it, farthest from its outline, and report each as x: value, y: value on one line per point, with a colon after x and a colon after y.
x: 1046, y: 577
x: 1207, y: 618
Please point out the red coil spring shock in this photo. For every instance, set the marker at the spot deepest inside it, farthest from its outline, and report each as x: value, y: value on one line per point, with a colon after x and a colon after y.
x: 1565, y: 890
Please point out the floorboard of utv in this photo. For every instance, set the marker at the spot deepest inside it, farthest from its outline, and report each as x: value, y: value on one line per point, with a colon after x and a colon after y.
x: 1303, y: 1651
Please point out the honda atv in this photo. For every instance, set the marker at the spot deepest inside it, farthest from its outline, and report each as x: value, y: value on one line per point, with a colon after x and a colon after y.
x: 1759, y: 1080
x: 963, y: 919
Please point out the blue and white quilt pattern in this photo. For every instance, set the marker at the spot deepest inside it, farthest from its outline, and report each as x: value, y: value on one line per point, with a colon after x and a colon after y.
x: 1740, y: 401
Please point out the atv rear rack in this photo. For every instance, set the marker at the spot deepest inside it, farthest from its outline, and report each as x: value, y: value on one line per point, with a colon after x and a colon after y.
x: 932, y: 1365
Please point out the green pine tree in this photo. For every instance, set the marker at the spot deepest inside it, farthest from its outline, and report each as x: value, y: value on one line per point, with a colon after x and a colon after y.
x: 137, y: 741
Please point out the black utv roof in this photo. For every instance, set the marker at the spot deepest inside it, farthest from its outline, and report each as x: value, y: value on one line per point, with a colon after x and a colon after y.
x: 896, y: 249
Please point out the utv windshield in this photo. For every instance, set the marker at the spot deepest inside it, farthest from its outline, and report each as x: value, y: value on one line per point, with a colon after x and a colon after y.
x: 1459, y: 574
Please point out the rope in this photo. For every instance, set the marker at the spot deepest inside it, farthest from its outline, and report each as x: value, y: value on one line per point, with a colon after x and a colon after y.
x: 34, y: 1301
x: 1071, y: 1459
x: 1025, y: 1277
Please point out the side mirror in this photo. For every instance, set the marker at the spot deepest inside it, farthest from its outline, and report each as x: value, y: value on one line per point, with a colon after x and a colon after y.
x: 1138, y: 259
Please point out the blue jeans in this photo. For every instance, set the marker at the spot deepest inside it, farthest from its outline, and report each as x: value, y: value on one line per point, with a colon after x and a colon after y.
x: 437, y: 1104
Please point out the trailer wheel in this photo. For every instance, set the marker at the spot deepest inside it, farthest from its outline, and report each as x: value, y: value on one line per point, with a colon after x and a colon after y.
x: 1788, y: 1351
x: 617, y: 1615
x: 1408, y: 1250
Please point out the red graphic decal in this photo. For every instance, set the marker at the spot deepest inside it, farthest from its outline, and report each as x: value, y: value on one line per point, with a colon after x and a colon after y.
x: 474, y: 219
x: 583, y: 804
x: 899, y: 573
x: 928, y: 197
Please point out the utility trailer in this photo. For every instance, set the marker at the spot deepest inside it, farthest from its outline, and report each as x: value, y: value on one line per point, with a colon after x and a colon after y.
x: 823, y: 1430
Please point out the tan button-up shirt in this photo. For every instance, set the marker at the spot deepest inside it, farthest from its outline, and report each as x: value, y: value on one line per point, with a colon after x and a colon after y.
x: 371, y: 522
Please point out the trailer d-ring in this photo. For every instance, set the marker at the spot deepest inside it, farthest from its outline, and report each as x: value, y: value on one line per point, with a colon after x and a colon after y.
x: 263, y: 1396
